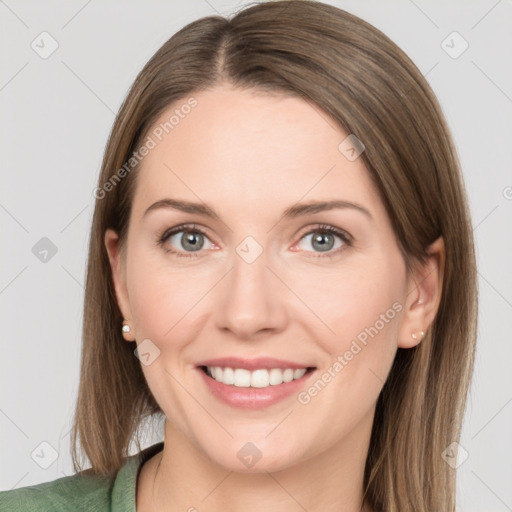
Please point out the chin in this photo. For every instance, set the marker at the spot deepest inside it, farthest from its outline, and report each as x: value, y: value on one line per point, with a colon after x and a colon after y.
x: 254, y: 457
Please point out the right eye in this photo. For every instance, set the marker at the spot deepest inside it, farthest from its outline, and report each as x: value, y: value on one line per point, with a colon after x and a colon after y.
x: 184, y: 240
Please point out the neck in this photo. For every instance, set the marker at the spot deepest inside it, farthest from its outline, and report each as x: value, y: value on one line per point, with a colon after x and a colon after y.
x: 182, y: 475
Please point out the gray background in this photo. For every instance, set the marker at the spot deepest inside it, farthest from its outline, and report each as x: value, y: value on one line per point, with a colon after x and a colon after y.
x: 56, y: 116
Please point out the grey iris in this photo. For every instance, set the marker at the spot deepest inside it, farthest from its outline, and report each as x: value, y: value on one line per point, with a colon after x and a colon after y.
x: 192, y: 241
x: 323, y: 241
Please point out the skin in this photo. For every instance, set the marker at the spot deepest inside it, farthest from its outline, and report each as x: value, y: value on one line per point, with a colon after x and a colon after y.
x: 250, y: 155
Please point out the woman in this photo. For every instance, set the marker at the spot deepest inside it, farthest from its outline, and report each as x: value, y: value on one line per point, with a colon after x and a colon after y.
x: 281, y: 264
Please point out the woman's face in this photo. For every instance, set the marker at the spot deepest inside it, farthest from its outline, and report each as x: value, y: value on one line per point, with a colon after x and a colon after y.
x: 257, y: 243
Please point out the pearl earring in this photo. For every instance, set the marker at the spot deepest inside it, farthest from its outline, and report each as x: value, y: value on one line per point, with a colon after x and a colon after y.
x: 125, y: 329
x: 417, y: 334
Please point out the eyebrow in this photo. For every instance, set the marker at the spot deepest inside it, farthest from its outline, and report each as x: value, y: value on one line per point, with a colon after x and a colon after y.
x: 296, y: 210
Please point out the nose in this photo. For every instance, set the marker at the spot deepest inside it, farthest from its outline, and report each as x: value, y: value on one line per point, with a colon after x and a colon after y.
x: 251, y: 300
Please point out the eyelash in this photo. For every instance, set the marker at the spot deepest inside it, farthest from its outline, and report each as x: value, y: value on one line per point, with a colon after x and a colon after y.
x: 320, y: 228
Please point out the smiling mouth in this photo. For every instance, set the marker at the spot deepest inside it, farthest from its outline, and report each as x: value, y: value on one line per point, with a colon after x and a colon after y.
x: 260, y: 378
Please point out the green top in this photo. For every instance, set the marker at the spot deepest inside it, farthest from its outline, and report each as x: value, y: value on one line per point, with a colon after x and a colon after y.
x: 82, y: 492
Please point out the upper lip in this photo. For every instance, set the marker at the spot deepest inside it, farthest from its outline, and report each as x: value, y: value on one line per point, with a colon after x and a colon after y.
x: 253, y: 364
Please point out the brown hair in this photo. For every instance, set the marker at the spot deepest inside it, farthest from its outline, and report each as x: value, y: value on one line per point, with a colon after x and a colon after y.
x: 371, y: 89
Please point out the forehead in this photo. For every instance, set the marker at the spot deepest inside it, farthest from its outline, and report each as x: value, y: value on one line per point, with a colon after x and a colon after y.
x: 245, y: 146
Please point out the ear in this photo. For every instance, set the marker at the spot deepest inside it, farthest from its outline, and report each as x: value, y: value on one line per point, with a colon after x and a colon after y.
x: 118, y: 266
x: 425, y: 285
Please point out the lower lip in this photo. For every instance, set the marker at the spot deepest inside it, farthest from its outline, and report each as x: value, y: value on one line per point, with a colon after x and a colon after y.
x: 253, y: 398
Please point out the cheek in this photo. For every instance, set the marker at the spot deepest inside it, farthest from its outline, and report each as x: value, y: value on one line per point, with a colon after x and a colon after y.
x: 361, y: 309
x: 162, y: 298
x: 167, y: 305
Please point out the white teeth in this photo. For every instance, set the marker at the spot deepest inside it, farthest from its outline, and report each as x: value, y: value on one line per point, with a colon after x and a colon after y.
x: 228, y: 376
x: 259, y: 379
x: 276, y: 376
x: 288, y: 375
x: 243, y: 378
x: 297, y: 374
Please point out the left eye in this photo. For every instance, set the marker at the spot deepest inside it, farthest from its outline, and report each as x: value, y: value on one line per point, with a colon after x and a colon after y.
x: 321, y: 240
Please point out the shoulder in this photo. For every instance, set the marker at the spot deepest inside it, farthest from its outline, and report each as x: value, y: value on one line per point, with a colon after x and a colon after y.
x: 84, y: 491
x: 78, y: 492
